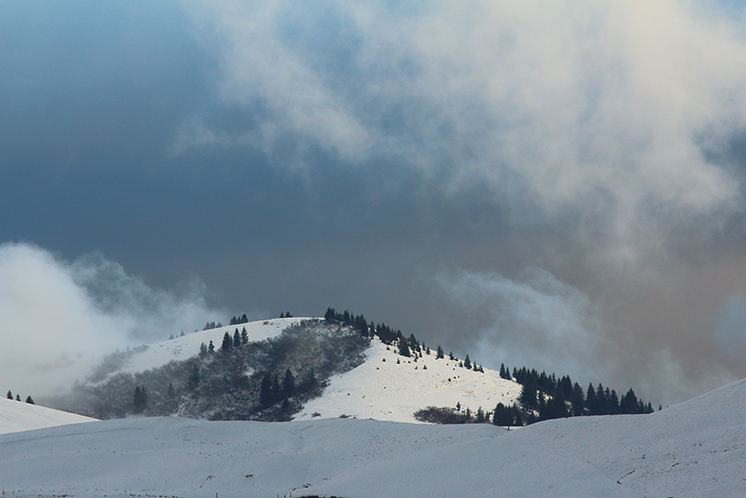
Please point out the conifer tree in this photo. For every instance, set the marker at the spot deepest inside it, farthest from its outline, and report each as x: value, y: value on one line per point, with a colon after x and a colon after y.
x: 439, y: 355
x: 9, y: 395
x: 265, y: 391
x: 577, y: 400
x: 276, y: 389
x: 227, y: 343
x: 194, y: 378
x: 467, y: 363
x: 480, y: 415
x: 236, y: 339
x: 211, y: 348
x: 18, y: 397
x: 403, y: 348
x: 29, y: 400
x: 591, y: 401
x: 528, y: 395
x: 244, y: 336
x: 140, y: 399
x: 288, y: 384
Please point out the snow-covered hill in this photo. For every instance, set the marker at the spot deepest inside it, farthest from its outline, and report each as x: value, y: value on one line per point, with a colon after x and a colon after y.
x: 692, y: 450
x: 16, y: 416
x: 391, y: 387
x: 386, y: 386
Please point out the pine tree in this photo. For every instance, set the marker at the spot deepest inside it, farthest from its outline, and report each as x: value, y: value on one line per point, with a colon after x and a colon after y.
x: 202, y: 350
x: 265, y: 391
x: 236, y: 339
x: 288, y: 384
x: 18, y: 397
x: 591, y: 401
x: 528, y: 395
x: 439, y: 355
x: 628, y: 403
x: 9, y: 395
x: 244, y: 336
x: 29, y: 400
x: 140, y: 399
x: 480, y: 415
x: 276, y: 389
x: 467, y: 363
x: 211, y: 348
x: 403, y: 348
x: 577, y: 400
x: 194, y: 378
x: 227, y: 343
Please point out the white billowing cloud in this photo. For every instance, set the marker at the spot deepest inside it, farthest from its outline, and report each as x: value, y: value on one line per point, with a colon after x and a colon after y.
x: 536, y: 320
x: 540, y: 322
x: 259, y: 67
x: 610, y: 109
x: 58, y: 319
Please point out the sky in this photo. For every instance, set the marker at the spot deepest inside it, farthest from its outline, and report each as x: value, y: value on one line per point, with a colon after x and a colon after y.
x: 551, y: 184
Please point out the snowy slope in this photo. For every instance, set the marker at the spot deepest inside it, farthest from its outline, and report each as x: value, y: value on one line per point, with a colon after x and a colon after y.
x: 18, y: 416
x: 184, y: 347
x: 686, y: 451
x: 381, y: 389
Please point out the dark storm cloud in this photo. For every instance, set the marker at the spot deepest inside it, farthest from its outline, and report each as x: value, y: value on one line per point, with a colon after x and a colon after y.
x: 94, y: 84
x: 467, y: 172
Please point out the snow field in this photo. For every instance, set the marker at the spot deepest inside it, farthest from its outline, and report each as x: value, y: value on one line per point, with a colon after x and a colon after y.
x: 684, y: 451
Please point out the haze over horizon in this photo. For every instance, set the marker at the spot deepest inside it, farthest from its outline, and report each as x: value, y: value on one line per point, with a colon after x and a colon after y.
x: 552, y: 185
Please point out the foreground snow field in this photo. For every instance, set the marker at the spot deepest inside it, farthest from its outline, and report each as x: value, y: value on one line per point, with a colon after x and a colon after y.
x: 694, y: 449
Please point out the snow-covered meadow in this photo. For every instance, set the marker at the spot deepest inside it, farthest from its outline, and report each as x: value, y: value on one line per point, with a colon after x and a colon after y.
x: 694, y: 449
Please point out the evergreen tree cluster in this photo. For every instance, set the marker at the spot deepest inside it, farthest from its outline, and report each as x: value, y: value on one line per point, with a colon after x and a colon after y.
x: 556, y: 398
x: 140, y: 400
x: 407, y: 347
x: 347, y: 319
x: 236, y: 320
x: 29, y: 400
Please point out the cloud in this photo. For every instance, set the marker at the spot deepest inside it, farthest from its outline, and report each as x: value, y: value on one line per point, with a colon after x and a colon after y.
x: 58, y: 318
x: 730, y: 337
x: 614, y: 112
x: 541, y: 322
